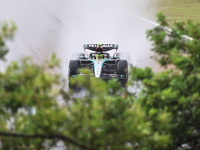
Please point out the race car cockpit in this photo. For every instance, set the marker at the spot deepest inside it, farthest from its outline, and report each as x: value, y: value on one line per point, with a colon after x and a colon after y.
x: 99, y: 53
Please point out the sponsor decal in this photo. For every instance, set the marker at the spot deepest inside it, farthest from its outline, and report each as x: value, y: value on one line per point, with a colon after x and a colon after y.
x: 92, y: 45
x: 101, y: 45
x: 107, y: 45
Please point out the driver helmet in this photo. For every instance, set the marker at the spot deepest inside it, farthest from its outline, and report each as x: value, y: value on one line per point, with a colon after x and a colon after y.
x: 99, y: 49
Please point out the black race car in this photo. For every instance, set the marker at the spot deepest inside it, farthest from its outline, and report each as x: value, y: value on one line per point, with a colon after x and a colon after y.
x: 100, y: 62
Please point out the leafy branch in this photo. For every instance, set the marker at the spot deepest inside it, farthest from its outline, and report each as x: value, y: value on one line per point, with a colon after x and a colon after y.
x: 46, y: 136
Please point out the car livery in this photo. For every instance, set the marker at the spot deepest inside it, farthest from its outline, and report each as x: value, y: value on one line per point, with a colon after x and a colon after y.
x: 100, y: 62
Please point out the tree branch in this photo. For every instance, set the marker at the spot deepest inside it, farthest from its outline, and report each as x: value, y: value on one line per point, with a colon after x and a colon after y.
x: 43, y: 136
x: 191, y: 139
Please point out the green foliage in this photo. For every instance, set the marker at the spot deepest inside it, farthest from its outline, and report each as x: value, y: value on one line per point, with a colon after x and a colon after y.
x: 163, y: 113
x: 140, y: 74
x: 162, y: 19
x: 6, y: 33
x: 176, y: 91
x: 23, y: 86
x: 106, y: 118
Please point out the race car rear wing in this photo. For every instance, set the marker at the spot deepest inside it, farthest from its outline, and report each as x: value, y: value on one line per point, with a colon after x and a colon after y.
x: 106, y: 47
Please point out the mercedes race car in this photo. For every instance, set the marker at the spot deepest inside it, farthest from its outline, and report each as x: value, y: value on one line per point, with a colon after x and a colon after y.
x: 100, y: 62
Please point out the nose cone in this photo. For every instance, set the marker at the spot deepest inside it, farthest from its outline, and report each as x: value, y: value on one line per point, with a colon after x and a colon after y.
x: 98, y: 67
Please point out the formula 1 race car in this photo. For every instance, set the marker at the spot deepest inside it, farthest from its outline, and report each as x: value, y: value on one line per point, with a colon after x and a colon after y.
x: 101, y: 63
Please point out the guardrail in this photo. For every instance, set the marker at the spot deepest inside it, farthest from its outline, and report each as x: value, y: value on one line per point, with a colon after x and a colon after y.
x: 169, y: 30
x: 166, y: 29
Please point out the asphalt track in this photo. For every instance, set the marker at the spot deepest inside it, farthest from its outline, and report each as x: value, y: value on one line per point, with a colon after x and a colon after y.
x: 63, y: 26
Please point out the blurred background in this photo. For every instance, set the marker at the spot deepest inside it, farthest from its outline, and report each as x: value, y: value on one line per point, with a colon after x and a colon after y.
x: 63, y: 26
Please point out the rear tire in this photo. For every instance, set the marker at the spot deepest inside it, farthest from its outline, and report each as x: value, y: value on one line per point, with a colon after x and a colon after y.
x: 118, y: 54
x: 81, y: 56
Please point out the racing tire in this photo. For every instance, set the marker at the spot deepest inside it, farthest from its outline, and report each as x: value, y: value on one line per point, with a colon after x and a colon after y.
x: 81, y: 56
x: 122, y: 69
x: 118, y: 54
x: 73, y: 67
x: 73, y: 70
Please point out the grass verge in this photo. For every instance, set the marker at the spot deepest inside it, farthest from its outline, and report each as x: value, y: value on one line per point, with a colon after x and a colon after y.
x: 180, y: 10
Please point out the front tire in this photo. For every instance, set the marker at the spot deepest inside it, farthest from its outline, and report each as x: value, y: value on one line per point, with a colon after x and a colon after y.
x: 74, y: 65
x: 122, y: 71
